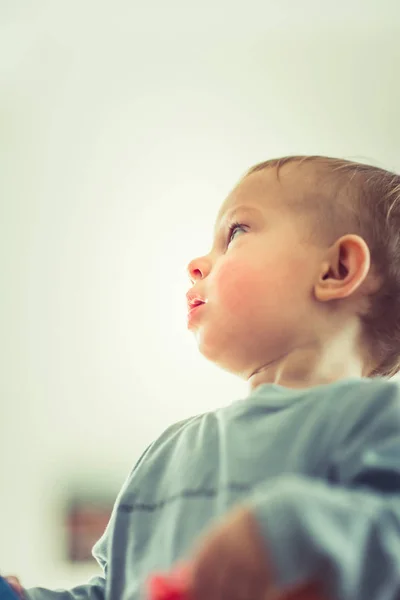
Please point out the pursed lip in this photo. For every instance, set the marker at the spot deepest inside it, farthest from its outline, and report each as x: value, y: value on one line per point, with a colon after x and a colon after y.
x: 194, y: 300
x: 194, y: 307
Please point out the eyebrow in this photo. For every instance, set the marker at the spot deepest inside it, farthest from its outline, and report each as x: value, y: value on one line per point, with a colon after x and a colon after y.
x: 230, y: 214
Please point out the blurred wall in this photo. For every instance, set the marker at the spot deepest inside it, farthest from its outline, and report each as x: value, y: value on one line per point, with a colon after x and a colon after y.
x: 124, y: 126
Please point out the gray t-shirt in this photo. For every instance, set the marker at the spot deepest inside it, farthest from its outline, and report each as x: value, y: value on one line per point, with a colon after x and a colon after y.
x: 320, y: 468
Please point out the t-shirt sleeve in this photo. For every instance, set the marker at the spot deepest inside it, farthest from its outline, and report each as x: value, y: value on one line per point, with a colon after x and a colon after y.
x: 93, y: 590
x: 344, y: 532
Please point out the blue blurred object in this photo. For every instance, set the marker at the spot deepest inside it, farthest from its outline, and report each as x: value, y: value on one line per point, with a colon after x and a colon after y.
x: 6, y: 591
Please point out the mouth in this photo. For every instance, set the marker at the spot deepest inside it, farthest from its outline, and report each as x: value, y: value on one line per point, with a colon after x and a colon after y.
x: 193, y: 310
x: 194, y: 305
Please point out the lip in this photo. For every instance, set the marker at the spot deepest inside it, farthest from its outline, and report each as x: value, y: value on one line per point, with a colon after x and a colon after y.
x: 194, y: 313
x: 193, y: 298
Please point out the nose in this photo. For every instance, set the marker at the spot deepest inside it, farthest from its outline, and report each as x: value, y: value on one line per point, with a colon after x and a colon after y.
x: 198, y: 268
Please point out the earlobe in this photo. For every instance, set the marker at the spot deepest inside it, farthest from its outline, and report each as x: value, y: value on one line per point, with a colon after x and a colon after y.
x: 344, y: 269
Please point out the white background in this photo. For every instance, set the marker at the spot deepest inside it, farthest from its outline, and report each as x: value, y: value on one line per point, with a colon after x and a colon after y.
x: 123, y: 127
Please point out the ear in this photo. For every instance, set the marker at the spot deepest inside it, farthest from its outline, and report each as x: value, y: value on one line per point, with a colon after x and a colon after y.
x: 344, y: 269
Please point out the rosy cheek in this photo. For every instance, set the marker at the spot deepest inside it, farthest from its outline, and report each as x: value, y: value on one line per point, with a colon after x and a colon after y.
x: 236, y: 286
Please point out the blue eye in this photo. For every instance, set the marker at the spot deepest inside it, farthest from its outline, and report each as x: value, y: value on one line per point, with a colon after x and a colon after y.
x: 233, y: 229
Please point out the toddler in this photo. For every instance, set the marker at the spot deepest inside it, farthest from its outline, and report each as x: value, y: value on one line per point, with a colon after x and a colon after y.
x: 293, y: 491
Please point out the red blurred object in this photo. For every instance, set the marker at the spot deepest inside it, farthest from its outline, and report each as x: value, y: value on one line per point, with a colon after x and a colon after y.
x: 168, y: 587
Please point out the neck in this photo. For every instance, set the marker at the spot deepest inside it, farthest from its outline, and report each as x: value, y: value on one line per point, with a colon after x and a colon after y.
x: 314, y: 363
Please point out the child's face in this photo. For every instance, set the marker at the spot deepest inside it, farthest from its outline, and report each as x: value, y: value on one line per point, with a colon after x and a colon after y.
x: 259, y: 285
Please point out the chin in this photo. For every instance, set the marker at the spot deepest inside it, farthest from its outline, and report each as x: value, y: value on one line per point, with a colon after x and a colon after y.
x: 226, y: 360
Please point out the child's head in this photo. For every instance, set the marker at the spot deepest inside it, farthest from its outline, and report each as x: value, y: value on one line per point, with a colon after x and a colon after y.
x: 304, y: 273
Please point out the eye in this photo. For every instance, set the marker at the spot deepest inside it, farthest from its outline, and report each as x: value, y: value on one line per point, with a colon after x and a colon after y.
x: 233, y: 229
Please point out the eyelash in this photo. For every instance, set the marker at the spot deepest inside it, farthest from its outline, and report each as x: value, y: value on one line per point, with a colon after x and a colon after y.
x: 233, y: 228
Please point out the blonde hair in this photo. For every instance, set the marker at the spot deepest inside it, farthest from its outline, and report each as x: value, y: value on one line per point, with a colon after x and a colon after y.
x: 365, y: 200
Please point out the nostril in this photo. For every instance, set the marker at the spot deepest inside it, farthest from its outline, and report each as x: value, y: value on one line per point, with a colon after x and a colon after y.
x: 199, y: 268
x: 195, y: 274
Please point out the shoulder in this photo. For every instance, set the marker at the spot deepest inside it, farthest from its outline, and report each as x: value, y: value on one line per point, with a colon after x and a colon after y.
x: 354, y: 399
x: 177, y: 428
x: 358, y: 413
x: 172, y: 437
x: 366, y: 432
